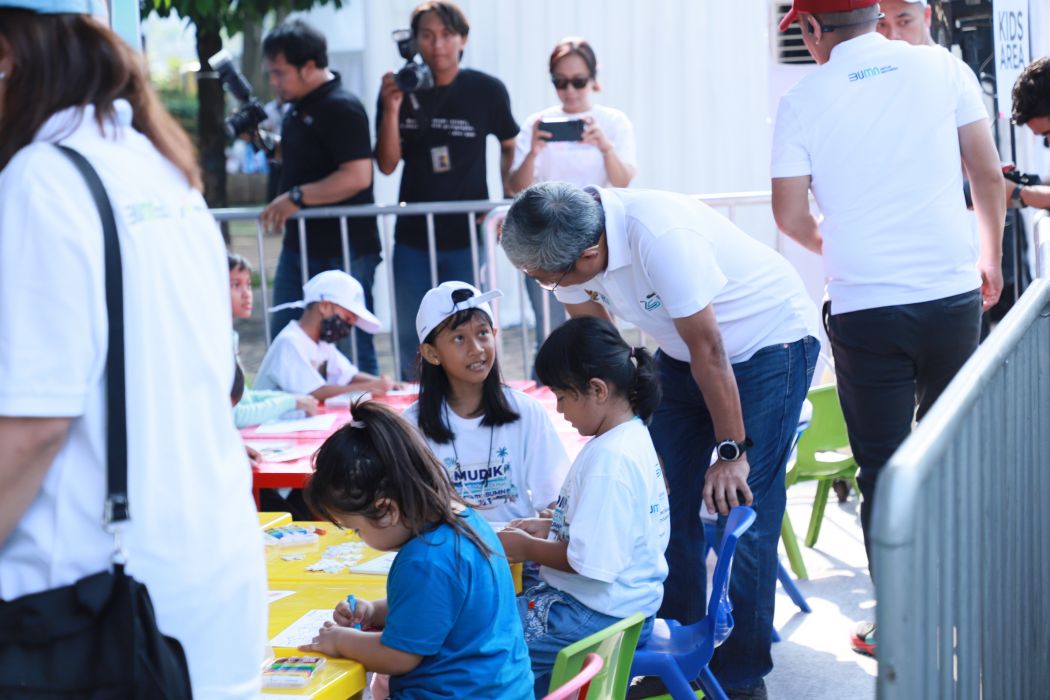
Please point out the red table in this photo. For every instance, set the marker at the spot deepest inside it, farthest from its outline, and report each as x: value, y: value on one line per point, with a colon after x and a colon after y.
x: 293, y: 474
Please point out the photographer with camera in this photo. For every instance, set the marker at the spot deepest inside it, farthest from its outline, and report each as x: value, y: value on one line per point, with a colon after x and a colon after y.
x: 437, y: 124
x: 326, y: 160
x: 1031, y: 98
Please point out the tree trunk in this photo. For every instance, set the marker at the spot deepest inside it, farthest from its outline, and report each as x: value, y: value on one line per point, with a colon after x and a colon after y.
x: 209, y: 119
x: 252, y: 58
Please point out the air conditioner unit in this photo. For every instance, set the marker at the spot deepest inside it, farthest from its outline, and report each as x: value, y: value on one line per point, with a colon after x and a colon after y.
x: 789, y: 47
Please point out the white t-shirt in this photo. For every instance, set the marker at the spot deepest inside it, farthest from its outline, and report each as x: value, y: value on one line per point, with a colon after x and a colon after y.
x: 193, y: 538
x: 294, y: 363
x: 671, y: 255
x: 876, y: 127
x: 512, y: 470
x: 574, y: 161
x: 613, y: 511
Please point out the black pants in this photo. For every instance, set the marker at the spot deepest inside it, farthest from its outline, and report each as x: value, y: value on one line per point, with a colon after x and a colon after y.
x: 887, y: 361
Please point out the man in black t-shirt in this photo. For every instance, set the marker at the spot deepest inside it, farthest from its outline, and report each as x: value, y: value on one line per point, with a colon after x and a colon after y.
x: 327, y: 160
x: 441, y: 136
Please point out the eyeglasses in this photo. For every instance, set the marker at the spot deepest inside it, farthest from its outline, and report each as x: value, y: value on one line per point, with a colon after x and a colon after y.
x: 551, y: 286
x: 563, y: 83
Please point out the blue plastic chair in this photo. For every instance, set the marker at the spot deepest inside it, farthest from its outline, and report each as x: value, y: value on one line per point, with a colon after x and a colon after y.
x: 678, y: 653
x: 710, y: 534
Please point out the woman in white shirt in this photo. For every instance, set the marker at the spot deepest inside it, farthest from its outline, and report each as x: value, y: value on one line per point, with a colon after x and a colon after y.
x: 604, y: 155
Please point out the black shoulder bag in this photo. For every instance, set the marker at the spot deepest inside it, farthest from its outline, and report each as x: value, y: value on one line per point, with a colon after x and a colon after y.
x: 98, y: 637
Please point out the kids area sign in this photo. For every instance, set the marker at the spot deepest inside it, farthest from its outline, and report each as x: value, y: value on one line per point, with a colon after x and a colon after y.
x: 1012, y: 47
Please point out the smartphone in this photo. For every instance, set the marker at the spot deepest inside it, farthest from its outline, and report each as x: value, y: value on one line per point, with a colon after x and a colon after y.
x: 563, y: 129
x: 292, y: 671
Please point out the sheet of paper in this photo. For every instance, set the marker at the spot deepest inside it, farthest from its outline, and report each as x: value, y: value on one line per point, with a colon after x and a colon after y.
x: 273, y: 451
x: 303, y: 630
x: 379, y: 565
x: 348, y: 398
x: 322, y: 421
x: 274, y: 596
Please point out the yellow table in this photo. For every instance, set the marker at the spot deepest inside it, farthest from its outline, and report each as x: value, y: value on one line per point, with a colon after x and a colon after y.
x: 274, y: 519
x: 288, y: 574
x: 340, y: 678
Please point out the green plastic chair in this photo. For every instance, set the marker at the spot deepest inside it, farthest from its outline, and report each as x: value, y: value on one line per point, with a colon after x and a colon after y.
x: 615, y: 644
x: 822, y: 455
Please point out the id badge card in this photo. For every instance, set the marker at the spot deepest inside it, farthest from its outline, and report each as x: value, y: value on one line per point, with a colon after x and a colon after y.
x: 440, y: 160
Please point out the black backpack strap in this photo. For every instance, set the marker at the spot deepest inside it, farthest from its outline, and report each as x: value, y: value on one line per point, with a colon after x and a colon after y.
x: 116, y: 409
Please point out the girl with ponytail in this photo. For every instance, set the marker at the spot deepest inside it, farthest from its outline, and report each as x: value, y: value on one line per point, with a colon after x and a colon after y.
x: 601, y: 555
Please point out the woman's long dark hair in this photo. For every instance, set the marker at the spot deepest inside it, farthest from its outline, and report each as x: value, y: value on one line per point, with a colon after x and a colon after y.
x: 434, y: 388
x: 588, y: 347
x: 379, y: 456
x: 68, y: 60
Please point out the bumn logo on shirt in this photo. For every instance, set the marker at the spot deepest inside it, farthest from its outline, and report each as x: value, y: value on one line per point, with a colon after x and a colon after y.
x: 870, y: 73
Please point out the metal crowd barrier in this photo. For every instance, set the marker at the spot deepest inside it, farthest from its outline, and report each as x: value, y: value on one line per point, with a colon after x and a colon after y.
x: 484, y: 277
x: 961, y: 537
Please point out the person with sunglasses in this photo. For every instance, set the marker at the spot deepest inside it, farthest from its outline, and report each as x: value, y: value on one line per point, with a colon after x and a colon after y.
x: 604, y: 155
x: 1031, y: 108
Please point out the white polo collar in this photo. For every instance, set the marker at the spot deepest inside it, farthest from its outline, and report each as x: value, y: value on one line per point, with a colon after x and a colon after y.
x: 617, y: 245
x: 855, y: 45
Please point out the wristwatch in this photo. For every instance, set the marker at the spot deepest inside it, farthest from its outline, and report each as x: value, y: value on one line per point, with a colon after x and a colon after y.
x: 1015, y: 198
x: 296, y: 195
x: 731, y: 450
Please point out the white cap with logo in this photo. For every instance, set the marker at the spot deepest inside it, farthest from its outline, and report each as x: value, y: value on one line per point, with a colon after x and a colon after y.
x: 339, y: 288
x: 447, y: 299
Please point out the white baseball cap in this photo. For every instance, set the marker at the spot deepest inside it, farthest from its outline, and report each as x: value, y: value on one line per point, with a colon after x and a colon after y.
x: 60, y: 7
x: 447, y: 299
x: 915, y: 2
x: 339, y: 288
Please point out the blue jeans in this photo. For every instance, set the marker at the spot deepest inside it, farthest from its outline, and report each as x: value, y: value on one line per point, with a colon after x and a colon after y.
x: 772, y: 385
x: 288, y: 286
x: 412, y: 278
x: 553, y: 620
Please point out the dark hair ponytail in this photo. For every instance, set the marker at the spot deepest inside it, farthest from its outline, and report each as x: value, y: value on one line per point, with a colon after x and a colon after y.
x: 587, y: 348
x: 377, y: 456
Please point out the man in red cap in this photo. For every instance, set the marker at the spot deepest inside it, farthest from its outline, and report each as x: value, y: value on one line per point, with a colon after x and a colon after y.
x: 880, y: 134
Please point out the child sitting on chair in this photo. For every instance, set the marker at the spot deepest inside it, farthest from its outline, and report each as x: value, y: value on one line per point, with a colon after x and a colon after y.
x: 303, y: 358
x: 602, y: 554
x: 255, y: 406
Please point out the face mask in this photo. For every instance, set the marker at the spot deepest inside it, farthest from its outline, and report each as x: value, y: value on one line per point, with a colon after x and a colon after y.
x: 334, y: 329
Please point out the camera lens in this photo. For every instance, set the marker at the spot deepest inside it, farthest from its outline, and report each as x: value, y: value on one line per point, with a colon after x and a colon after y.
x: 414, y: 77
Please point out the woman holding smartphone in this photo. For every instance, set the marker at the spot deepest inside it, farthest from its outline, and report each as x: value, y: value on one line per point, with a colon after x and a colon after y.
x: 602, y: 153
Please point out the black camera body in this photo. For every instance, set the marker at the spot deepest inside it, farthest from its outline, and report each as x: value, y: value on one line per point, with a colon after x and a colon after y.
x: 246, y: 119
x: 414, y: 75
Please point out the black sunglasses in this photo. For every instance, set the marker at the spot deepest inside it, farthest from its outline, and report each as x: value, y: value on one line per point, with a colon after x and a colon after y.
x: 578, y: 83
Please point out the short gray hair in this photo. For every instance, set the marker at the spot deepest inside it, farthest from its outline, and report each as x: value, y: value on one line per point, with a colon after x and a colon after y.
x: 549, y: 225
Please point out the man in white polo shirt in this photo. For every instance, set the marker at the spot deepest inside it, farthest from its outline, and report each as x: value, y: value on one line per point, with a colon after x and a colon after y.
x: 906, y: 20
x: 880, y: 133
x: 737, y: 341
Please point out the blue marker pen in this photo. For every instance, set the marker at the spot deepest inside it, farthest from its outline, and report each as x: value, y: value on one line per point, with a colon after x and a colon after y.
x: 352, y: 602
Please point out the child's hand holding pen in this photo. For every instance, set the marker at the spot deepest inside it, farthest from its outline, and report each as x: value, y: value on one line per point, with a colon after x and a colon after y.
x: 353, y: 613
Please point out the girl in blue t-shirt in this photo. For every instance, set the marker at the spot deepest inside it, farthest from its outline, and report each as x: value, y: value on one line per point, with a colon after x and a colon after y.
x: 602, y: 553
x: 449, y: 623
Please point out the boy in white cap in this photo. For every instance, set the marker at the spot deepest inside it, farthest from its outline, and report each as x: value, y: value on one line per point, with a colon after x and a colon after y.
x: 303, y: 358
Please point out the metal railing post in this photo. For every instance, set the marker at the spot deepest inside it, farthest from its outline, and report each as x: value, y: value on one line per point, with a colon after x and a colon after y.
x: 263, y: 284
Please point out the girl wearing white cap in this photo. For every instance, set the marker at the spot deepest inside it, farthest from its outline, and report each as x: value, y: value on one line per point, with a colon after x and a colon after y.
x: 498, y: 446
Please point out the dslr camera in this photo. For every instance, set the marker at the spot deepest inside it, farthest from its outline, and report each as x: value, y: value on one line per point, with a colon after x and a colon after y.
x: 414, y: 75
x: 245, y: 120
